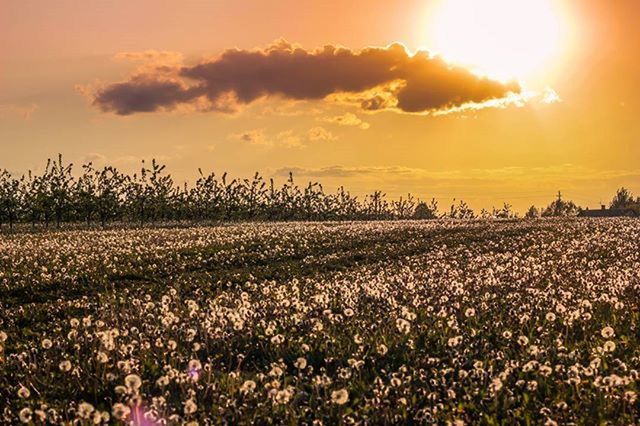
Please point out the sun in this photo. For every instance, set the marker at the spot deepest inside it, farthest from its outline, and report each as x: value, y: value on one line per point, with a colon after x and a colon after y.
x: 504, y: 39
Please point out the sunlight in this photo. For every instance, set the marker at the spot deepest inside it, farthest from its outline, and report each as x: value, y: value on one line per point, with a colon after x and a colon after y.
x: 504, y: 39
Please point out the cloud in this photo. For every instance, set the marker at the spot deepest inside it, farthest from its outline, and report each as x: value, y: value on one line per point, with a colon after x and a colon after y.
x: 286, y: 138
x: 358, y: 171
x: 289, y: 139
x: 144, y: 93
x: 22, y: 111
x: 519, y: 100
x: 258, y: 137
x: 569, y: 174
x: 550, y: 96
x: 154, y: 57
x: 253, y: 137
x: 391, y: 77
x: 321, y: 134
x: 347, y: 119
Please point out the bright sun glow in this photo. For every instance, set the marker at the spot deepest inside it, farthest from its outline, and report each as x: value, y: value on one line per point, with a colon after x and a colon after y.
x: 505, y: 39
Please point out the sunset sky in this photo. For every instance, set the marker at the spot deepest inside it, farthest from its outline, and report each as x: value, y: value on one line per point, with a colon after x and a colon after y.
x: 525, y: 98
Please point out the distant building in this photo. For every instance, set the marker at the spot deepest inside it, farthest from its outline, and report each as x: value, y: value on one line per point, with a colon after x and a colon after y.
x: 605, y: 212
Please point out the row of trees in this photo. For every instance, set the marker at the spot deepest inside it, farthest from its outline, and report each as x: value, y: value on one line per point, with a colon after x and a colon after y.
x: 103, y: 195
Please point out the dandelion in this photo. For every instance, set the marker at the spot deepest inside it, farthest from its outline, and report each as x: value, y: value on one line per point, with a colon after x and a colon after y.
x: 403, y: 325
x: 550, y: 317
x: 190, y: 407
x: 470, y: 312
x: 340, y: 397
x: 25, y: 415
x: 162, y: 381
x: 523, y: 340
x: 102, y: 357
x: 507, y: 334
x: 607, y: 332
x: 496, y: 385
x: 65, y: 366
x: 46, y: 344
x: 301, y: 363
x: 283, y: 396
x: 132, y: 382
x: 85, y: 409
x: 24, y: 392
x: 194, y: 369
x: 247, y: 387
x: 545, y: 370
x: 120, y: 411
x: 382, y: 349
x: 454, y: 341
x: 348, y: 312
x: 630, y: 397
x: 609, y: 346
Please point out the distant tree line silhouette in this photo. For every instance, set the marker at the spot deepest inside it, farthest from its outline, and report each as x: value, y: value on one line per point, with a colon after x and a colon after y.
x: 104, y: 195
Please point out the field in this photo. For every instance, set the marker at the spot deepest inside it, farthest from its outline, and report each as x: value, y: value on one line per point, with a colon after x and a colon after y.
x: 495, y: 322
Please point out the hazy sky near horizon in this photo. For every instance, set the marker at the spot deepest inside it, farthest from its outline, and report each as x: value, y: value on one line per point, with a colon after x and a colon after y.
x: 553, y: 85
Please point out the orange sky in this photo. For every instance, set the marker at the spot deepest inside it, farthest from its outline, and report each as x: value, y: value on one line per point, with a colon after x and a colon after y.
x: 55, y: 57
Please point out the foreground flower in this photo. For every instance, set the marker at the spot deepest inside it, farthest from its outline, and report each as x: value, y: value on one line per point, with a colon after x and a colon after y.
x: 301, y: 363
x: 248, y: 387
x: 120, y: 411
x: 133, y: 382
x: 403, y: 325
x: 25, y: 415
x: 340, y: 397
x: 190, y: 407
x: 607, y: 332
x: 24, y: 393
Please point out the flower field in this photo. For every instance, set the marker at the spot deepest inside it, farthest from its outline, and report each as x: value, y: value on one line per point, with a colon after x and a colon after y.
x: 461, y: 322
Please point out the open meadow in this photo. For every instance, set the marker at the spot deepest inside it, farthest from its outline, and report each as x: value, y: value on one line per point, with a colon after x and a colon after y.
x: 494, y: 322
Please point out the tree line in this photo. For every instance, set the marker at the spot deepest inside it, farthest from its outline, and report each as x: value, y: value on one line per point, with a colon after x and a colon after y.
x: 105, y: 195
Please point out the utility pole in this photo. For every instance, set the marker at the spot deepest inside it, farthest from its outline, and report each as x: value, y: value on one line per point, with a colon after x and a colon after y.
x: 559, y: 197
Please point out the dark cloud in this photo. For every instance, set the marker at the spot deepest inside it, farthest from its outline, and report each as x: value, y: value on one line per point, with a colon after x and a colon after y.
x: 142, y: 94
x: 419, y: 82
